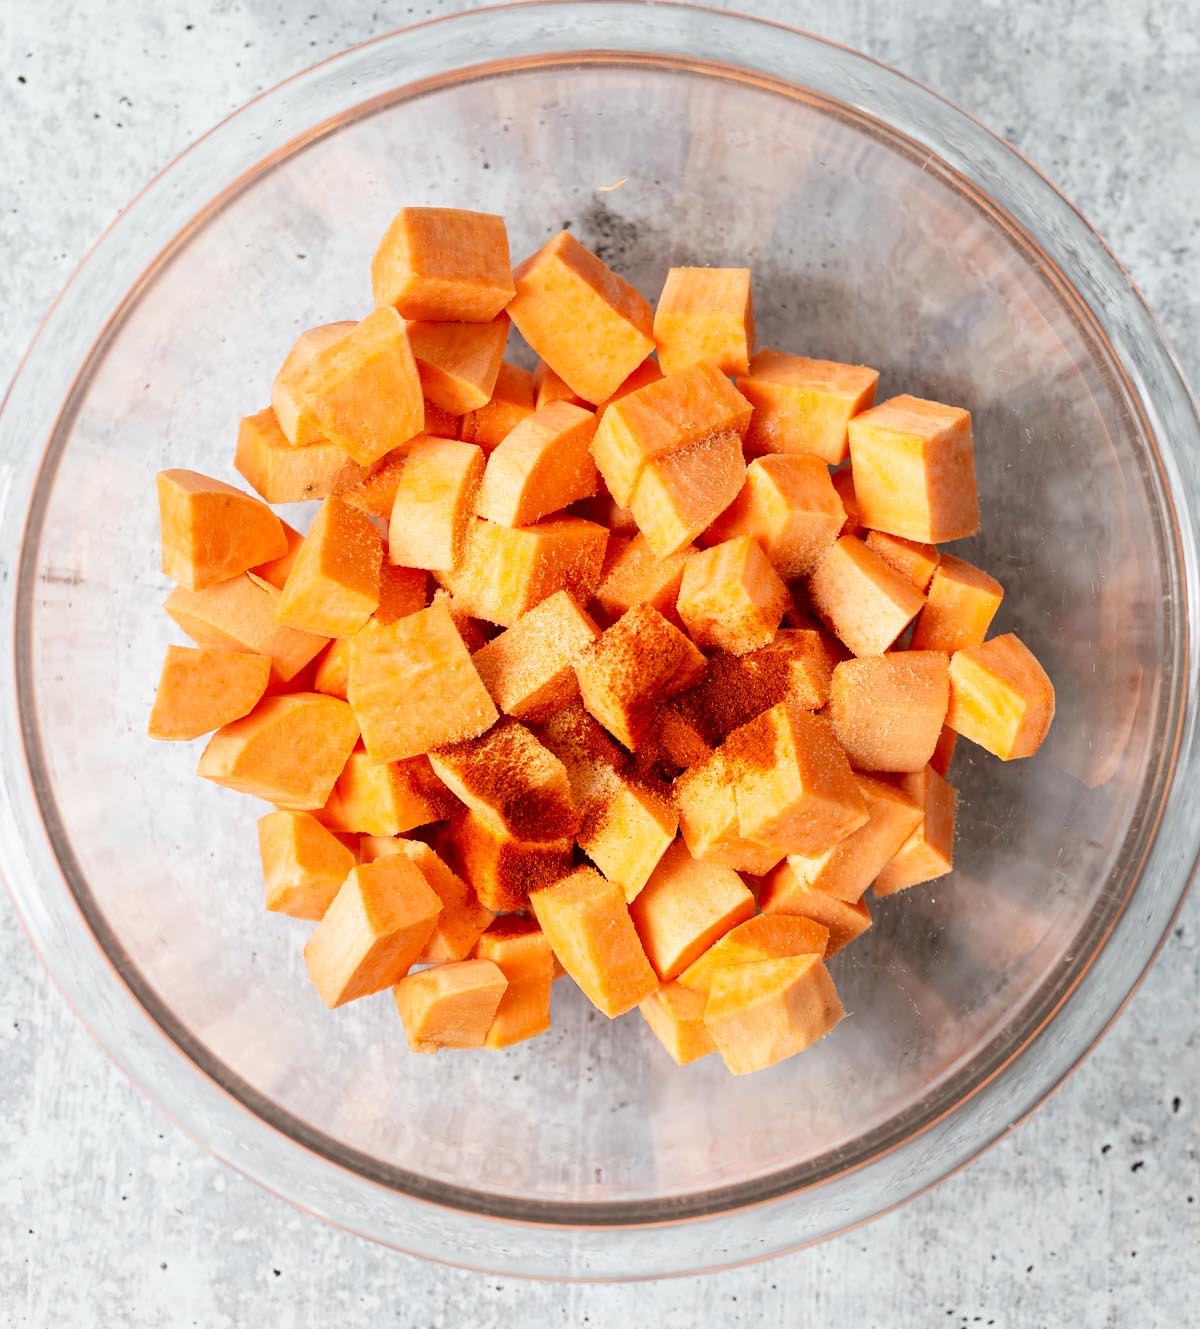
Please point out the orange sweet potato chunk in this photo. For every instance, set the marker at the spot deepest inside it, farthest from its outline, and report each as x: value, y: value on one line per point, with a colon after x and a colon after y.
x: 449, y: 1006
x: 789, y: 505
x: 666, y: 415
x: 459, y: 362
x: 759, y: 1014
x: 943, y: 753
x: 843, y: 484
x: 413, y: 687
x: 863, y: 601
x: 240, y: 614
x: 888, y: 710
x: 506, y: 570
x: 548, y: 387
x: 275, y: 571
x: 959, y: 607
x: 444, y: 265
x: 289, y: 750
x: 803, y: 405
x: 212, y: 531
x: 675, y: 1015
x: 303, y: 863
x: 918, y: 562
x: 685, y: 907
x: 628, y: 825
x: 1000, y: 697
x: 281, y: 473
x: 794, y: 788
x: 502, y: 871
x: 705, y: 315
x: 202, y: 689
x: 587, y: 923
x: 846, y: 870
x: 731, y: 597
x: 542, y: 465
x: 592, y: 759
x: 641, y: 659
x: 682, y: 493
x: 511, y: 782
x: 333, y: 587
x: 765, y: 937
x: 589, y: 325
x: 364, y: 391
x: 928, y: 853
x: 518, y: 947
x: 511, y: 401
x: 706, y: 797
x: 373, y: 491
x: 914, y: 470
x: 433, y: 503
x: 646, y: 373
x: 529, y: 669
x: 385, y: 798
x: 785, y: 892
x: 373, y: 931
x: 296, y: 419
x: 638, y: 576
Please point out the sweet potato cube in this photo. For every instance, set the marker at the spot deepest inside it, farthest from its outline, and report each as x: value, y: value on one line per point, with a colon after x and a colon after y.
x: 959, y: 607
x: 911, y: 559
x: 374, y: 490
x: 402, y: 591
x: 282, y: 473
x: 510, y: 403
x: 638, y: 576
x: 303, y: 863
x: 638, y: 661
x: 794, y: 788
x: 863, y: 601
x: 520, y: 949
x: 626, y: 829
x: 679, y: 495
x: 685, y: 907
x: 705, y: 315
x: 433, y: 503
x: 373, y: 931
x: 506, y: 570
x: 499, y: 869
x: 666, y: 415
x: 589, y: 325
x: 413, y: 687
x: 529, y: 669
x: 888, y: 710
x: 275, y: 570
x: 914, y: 470
x: 1000, y: 697
x: 678, y: 737
x: 240, y: 614
x: 333, y: 587
x: 843, y: 484
x: 449, y: 1006
x: 943, y: 753
x: 789, y: 505
x: 803, y: 405
x: 511, y: 782
x: 462, y: 920
x: 759, y: 1014
x: 731, y: 597
x: 587, y: 923
x: 796, y: 667
x: 592, y: 759
x: 708, y: 819
x: 297, y: 421
x: 364, y: 391
x: 543, y: 464
x: 846, y: 870
x: 443, y: 264
x: 288, y: 750
x: 212, y: 531
x: 203, y: 688
x: 458, y: 362
x: 675, y: 1015
x: 928, y: 852
x: 548, y: 387
x: 385, y: 798
x: 646, y: 373
x: 765, y: 937
x: 440, y: 423
x: 786, y: 893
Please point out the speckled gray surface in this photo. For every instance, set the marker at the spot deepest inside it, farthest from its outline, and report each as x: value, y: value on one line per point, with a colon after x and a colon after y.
x: 108, y: 1215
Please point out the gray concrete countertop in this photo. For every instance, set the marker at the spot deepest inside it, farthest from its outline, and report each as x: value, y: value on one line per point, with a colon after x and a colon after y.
x: 110, y: 1216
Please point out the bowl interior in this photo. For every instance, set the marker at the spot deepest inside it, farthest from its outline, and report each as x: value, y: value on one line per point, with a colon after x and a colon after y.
x: 862, y: 250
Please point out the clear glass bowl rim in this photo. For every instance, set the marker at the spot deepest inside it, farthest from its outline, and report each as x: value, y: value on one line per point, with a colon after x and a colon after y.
x: 758, y: 1218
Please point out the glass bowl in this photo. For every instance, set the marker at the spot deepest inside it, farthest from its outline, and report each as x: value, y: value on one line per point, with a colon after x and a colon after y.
x: 882, y: 225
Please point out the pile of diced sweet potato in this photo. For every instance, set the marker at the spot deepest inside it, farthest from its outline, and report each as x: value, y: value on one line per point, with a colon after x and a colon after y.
x: 600, y: 670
